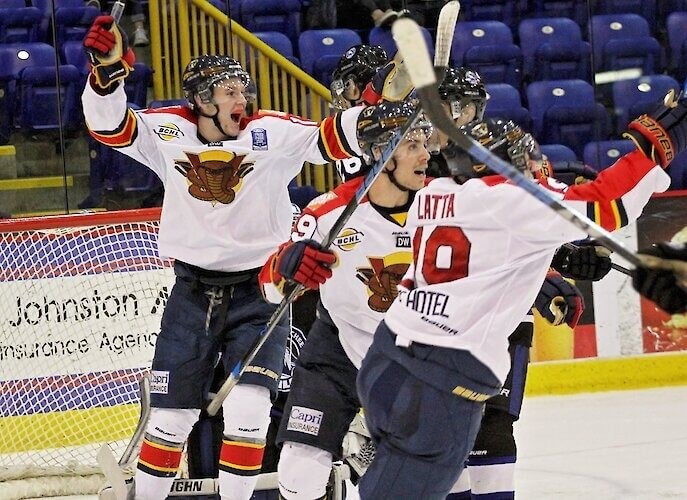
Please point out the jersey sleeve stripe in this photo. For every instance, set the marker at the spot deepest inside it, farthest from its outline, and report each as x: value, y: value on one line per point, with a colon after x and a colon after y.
x: 342, y: 136
x: 331, y: 145
x: 122, y: 136
x: 609, y: 215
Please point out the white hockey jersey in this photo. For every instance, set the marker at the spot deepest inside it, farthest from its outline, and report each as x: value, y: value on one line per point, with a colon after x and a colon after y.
x: 373, y: 254
x: 482, y: 250
x: 226, y: 204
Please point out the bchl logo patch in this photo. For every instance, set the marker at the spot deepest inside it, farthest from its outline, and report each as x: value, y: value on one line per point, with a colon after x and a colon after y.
x: 168, y: 131
x: 159, y: 382
x: 259, y: 139
x: 304, y: 420
x: 348, y: 238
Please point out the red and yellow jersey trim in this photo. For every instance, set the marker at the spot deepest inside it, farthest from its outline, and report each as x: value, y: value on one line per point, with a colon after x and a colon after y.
x: 121, y: 137
x: 332, y: 143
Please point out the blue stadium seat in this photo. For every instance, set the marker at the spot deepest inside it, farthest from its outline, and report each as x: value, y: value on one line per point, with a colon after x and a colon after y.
x: 553, y: 49
x: 383, y: 38
x: 632, y: 98
x: 573, y: 9
x: 622, y: 41
x: 43, y: 105
x: 666, y: 7
x: 558, y: 152
x: 136, y: 84
x: 644, y: 8
x: 13, y: 59
x: 565, y: 112
x: 234, y: 8
x: 72, y: 20
x: 504, y: 102
x: 320, y: 51
x: 678, y: 171
x: 283, y: 16
x: 676, y: 24
x: 279, y: 42
x: 603, y: 154
x: 18, y: 22
x: 479, y: 10
x: 488, y: 48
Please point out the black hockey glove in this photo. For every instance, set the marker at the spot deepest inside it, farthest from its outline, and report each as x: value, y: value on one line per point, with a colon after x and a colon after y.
x: 573, y: 173
x: 662, y: 134
x: 304, y: 262
x: 661, y: 285
x: 585, y: 262
x: 559, y: 301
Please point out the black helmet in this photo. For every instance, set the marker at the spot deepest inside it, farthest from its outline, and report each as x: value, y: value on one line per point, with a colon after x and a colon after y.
x: 462, y: 86
x: 359, y: 63
x: 204, y: 72
x: 503, y: 138
x: 378, y: 124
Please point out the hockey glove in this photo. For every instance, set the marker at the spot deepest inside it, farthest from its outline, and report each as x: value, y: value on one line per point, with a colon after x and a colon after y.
x: 108, y: 50
x: 390, y: 83
x: 573, y: 173
x: 305, y: 262
x: 662, y: 134
x: 559, y: 301
x: 585, y: 262
x: 661, y: 285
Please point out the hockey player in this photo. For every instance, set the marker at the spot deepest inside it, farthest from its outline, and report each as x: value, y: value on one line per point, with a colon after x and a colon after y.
x: 373, y: 253
x: 481, y: 250
x: 491, y: 466
x: 353, y: 72
x: 464, y: 97
x: 226, y: 207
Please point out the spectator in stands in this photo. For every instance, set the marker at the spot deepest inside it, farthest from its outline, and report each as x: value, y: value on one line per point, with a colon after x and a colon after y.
x: 381, y: 13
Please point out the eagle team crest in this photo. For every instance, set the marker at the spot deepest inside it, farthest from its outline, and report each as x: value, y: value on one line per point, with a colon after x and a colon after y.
x: 382, y: 278
x: 215, y: 176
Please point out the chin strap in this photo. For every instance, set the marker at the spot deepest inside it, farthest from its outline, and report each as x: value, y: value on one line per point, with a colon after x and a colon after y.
x: 215, y: 120
x: 392, y: 177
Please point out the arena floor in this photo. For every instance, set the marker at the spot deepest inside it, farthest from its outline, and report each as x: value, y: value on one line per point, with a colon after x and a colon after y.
x: 603, y: 446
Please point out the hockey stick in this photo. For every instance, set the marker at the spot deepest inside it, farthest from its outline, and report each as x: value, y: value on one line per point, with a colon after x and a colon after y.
x: 115, y: 471
x: 281, y: 309
x: 446, y: 26
x: 413, y: 48
x: 117, y: 10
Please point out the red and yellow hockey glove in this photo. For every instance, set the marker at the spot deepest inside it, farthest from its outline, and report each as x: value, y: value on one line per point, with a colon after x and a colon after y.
x: 662, y: 134
x: 108, y: 49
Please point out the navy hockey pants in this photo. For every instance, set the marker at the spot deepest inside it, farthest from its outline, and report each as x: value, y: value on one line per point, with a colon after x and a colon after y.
x: 423, y: 431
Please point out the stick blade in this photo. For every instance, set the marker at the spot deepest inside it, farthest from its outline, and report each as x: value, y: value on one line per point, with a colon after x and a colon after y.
x: 113, y: 474
x: 446, y: 27
x: 413, y: 47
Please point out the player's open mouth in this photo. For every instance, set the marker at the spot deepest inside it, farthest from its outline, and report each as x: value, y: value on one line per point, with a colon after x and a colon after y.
x: 236, y: 117
x: 420, y: 171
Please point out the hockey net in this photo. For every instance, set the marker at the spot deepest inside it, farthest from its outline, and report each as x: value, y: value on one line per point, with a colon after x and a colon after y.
x: 81, y: 299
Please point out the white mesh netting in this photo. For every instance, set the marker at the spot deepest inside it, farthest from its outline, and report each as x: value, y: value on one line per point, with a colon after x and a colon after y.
x: 80, y: 309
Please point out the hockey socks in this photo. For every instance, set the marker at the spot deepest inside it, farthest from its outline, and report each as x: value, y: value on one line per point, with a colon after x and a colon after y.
x: 158, y: 464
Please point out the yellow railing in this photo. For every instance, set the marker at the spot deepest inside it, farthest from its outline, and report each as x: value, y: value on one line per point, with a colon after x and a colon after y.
x: 188, y: 28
